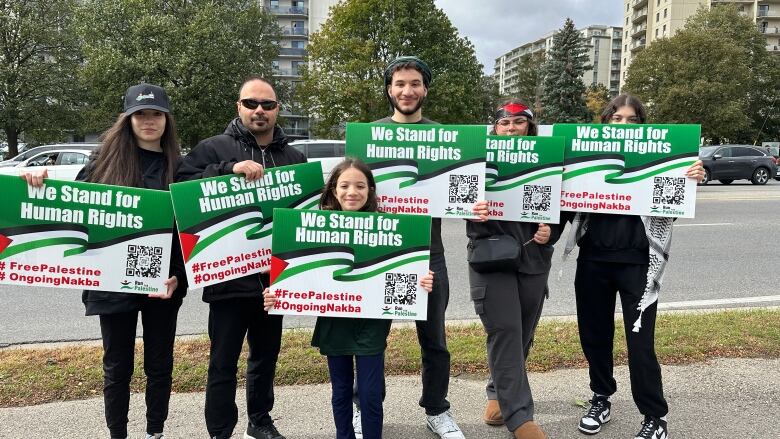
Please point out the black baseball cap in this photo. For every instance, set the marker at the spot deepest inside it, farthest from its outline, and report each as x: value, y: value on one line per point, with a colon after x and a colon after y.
x: 146, y: 97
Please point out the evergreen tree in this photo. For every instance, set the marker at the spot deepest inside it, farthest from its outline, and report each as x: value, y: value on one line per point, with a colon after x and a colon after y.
x: 563, y: 97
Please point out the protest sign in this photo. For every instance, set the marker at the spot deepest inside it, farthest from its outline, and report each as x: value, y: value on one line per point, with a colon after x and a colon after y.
x: 350, y: 264
x: 225, y: 222
x: 523, y: 178
x: 629, y: 169
x: 68, y: 234
x: 436, y: 170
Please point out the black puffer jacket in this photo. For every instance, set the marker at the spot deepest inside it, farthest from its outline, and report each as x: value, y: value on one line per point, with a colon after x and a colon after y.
x: 216, y: 156
x: 103, y: 302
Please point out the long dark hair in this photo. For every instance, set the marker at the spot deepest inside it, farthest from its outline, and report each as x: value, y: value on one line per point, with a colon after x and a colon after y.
x: 117, y: 160
x: 328, y: 199
x: 624, y: 100
x: 533, y: 130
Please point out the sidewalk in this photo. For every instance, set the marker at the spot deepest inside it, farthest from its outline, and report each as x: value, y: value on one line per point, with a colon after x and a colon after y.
x: 723, y: 399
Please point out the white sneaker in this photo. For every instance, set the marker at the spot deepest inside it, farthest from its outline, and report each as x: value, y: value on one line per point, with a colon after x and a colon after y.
x: 356, y: 424
x: 444, y: 425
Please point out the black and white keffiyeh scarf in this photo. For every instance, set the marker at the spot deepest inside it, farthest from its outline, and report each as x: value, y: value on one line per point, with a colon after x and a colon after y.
x: 659, y: 235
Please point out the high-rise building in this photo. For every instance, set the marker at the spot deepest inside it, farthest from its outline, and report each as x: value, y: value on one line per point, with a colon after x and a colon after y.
x: 604, y: 46
x: 298, y: 19
x: 646, y: 21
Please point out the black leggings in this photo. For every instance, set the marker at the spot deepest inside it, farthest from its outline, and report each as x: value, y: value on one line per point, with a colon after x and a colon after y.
x: 596, y: 286
x: 158, y: 318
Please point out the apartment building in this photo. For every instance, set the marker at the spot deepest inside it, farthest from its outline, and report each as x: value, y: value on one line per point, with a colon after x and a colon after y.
x: 604, y: 47
x: 298, y: 19
x: 646, y: 21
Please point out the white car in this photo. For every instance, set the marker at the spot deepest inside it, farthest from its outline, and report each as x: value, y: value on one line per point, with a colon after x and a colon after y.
x: 328, y: 152
x: 61, y: 164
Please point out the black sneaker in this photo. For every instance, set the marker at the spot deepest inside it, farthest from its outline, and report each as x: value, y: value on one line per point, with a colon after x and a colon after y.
x: 653, y: 428
x: 596, y: 416
x: 262, y: 432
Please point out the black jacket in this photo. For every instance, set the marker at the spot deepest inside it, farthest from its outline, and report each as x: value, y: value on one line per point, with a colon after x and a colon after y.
x: 216, y: 156
x: 104, y: 302
x: 615, y: 238
x: 534, y: 258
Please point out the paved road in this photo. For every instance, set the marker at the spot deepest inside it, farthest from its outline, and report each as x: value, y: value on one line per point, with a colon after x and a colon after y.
x: 730, y: 250
x: 725, y: 399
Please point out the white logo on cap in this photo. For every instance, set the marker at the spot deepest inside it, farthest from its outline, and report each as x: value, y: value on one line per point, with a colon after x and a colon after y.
x: 143, y: 96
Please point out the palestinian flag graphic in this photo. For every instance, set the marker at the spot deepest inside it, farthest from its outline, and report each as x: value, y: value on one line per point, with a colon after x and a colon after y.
x: 629, y: 169
x: 350, y: 264
x: 437, y: 170
x: 85, y: 236
x: 523, y: 178
x: 225, y: 222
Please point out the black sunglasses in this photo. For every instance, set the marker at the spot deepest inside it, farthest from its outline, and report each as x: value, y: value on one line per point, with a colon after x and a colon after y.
x: 252, y: 104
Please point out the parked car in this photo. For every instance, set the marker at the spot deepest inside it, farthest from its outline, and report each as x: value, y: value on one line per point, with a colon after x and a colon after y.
x: 727, y: 163
x: 328, y: 152
x: 38, y: 149
x: 62, y: 164
x: 773, y: 151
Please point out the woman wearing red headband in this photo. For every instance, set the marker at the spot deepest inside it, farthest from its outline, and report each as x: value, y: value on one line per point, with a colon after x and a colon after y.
x: 509, y: 301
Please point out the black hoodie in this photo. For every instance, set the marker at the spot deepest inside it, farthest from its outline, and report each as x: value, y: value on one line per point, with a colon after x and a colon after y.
x: 104, y: 302
x: 216, y: 156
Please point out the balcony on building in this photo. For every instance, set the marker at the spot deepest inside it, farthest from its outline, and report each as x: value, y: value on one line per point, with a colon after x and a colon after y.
x: 292, y: 51
x: 769, y: 12
x: 769, y: 30
x: 286, y: 73
x: 288, y: 11
x: 639, y: 16
x: 295, y: 31
x: 636, y: 4
x: 773, y: 48
x: 639, y: 30
x: 637, y: 45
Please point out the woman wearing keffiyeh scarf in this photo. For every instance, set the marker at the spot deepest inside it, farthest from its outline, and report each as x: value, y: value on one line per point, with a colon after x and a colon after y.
x: 625, y: 255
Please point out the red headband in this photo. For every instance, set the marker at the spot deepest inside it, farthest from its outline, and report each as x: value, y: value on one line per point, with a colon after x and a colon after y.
x: 513, y: 109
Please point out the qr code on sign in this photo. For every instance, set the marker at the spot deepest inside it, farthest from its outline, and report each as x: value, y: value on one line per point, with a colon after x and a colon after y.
x: 143, y: 261
x: 463, y: 188
x: 669, y: 190
x: 400, y: 289
x: 536, y: 197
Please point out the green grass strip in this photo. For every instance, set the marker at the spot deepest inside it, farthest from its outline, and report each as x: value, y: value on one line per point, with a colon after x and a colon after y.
x: 35, y: 376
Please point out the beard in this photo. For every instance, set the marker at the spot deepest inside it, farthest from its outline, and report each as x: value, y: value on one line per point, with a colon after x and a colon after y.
x: 255, y: 130
x: 409, y: 111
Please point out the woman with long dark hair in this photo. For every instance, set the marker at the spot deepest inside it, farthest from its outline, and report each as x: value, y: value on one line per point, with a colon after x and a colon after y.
x: 622, y: 255
x: 139, y: 150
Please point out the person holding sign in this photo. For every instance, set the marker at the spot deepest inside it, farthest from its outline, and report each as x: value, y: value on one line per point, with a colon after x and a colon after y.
x: 250, y: 144
x: 509, y: 297
x: 625, y: 255
x: 353, y: 341
x: 139, y: 150
x: 406, y: 80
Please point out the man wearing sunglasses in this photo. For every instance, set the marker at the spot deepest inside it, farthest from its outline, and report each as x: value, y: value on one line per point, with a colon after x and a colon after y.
x: 251, y: 143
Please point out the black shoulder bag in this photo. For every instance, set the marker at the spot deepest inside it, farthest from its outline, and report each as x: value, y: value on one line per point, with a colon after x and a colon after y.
x: 494, y: 253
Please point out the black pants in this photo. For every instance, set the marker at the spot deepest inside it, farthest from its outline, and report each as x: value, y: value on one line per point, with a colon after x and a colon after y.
x: 229, y: 321
x: 118, y: 331
x: 433, y: 344
x: 509, y: 305
x: 596, y: 285
x: 370, y: 376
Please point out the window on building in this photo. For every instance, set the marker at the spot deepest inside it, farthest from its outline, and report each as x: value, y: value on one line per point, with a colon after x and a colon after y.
x: 656, y: 32
x: 658, y: 3
x: 626, y: 21
x: 665, y: 10
x: 664, y: 30
x: 274, y: 4
x: 298, y: 44
x: 657, y: 16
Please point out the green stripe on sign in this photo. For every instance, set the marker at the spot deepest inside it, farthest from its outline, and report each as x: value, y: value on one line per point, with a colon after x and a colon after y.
x: 220, y: 233
x: 341, y: 276
x: 588, y: 170
x: 615, y: 178
x: 522, y: 182
x: 48, y: 242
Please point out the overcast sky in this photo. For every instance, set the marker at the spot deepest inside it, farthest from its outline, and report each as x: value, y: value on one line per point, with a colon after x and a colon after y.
x: 498, y: 26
